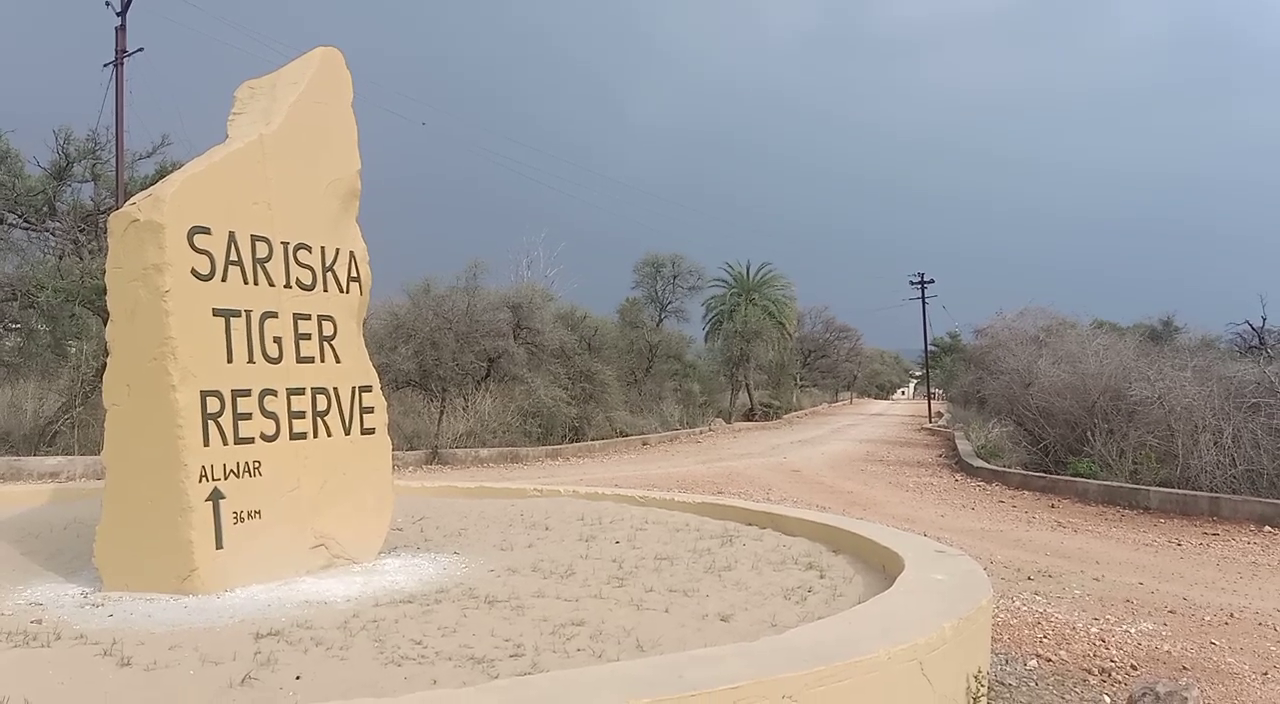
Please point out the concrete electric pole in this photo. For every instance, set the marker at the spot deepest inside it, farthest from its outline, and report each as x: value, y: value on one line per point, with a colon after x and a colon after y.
x: 923, y: 284
x: 117, y: 71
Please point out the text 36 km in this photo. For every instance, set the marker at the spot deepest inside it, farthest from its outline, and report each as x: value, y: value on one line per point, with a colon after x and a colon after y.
x: 246, y: 516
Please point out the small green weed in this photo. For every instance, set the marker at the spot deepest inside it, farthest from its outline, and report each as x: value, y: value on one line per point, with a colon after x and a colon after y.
x: 976, y: 689
x: 1083, y: 468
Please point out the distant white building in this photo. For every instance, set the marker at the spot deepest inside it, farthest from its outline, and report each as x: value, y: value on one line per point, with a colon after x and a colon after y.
x: 914, y: 390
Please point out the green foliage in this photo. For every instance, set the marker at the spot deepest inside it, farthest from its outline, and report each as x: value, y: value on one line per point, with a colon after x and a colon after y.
x: 946, y: 356
x: 882, y: 374
x: 977, y: 687
x: 749, y: 315
x: 1162, y: 330
x: 53, y: 212
x: 1083, y: 468
x: 743, y: 299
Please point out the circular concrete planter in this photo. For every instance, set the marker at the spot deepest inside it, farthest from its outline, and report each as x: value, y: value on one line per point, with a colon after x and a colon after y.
x: 924, y: 640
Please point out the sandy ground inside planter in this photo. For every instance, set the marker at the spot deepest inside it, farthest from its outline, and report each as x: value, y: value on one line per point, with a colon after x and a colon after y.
x: 467, y: 591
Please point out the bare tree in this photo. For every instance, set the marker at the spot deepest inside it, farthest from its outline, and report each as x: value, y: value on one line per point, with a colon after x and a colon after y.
x: 535, y: 262
x: 828, y: 351
x: 665, y: 284
x: 1255, y: 341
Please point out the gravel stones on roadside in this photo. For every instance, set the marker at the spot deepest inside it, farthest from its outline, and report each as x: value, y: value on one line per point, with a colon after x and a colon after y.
x: 1165, y: 692
x: 1012, y: 682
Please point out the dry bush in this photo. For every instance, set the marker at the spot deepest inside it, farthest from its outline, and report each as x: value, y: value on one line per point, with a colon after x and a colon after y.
x: 24, y: 406
x: 1124, y: 404
x: 37, y: 419
x: 467, y: 364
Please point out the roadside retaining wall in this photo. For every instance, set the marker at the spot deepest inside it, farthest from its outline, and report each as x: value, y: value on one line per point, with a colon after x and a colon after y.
x: 1144, y: 498
x: 16, y: 470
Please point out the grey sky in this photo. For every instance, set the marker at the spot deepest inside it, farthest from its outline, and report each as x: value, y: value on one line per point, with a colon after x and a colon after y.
x: 1112, y: 158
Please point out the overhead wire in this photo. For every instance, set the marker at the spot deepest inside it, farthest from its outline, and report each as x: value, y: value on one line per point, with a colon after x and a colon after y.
x: 476, y: 150
x: 105, y: 92
x: 215, y: 38
x: 267, y: 41
x: 949, y: 315
x: 261, y: 38
x: 497, y: 158
x: 135, y: 115
x: 894, y: 306
x: 153, y: 73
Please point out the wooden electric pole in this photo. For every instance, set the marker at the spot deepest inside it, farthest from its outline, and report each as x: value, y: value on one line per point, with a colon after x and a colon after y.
x: 923, y: 285
x: 117, y: 70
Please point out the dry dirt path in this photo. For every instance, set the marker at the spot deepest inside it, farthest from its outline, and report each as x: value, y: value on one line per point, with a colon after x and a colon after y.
x: 1089, y: 598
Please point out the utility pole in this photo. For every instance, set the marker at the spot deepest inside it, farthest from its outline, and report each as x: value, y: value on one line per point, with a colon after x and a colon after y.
x: 923, y: 285
x: 117, y: 67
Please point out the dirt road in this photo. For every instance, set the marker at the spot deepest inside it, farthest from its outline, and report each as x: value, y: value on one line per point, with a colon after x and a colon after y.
x: 1088, y: 598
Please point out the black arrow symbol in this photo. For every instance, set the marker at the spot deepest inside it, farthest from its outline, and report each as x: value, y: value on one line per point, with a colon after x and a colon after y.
x: 215, y: 497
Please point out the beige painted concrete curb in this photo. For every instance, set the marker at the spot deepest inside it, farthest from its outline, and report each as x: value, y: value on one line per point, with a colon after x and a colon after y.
x: 25, y: 470
x: 924, y: 640
x: 1143, y: 498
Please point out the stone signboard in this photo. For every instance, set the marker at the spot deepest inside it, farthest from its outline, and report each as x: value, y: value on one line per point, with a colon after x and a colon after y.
x: 246, y: 431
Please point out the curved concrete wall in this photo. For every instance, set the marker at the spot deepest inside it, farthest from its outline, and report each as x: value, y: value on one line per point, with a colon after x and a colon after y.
x: 925, y: 640
x: 1143, y: 498
x: 18, y: 470
x: 922, y: 641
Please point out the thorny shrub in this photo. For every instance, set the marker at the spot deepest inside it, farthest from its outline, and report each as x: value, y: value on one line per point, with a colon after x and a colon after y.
x: 1059, y: 395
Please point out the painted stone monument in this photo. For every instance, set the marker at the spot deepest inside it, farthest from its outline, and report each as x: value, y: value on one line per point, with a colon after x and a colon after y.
x: 246, y: 434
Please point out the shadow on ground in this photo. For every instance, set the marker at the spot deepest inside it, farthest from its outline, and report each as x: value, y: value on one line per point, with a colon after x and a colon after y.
x: 56, y: 539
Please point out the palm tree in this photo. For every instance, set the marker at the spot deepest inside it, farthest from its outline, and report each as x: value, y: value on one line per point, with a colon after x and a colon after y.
x: 749, y: 310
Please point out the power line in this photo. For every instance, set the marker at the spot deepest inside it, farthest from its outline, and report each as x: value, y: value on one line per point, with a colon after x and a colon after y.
x: 267, y: 41
x: 215, y: 38
x: 106, y: 91
x: 138, y: 117
x: 894, y: 306
x: 153, y: 72
x: 494, y: 157
x: 476, y: 150
x: 564, y: 192
x: 949, y: 315
x: 261, y: 38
